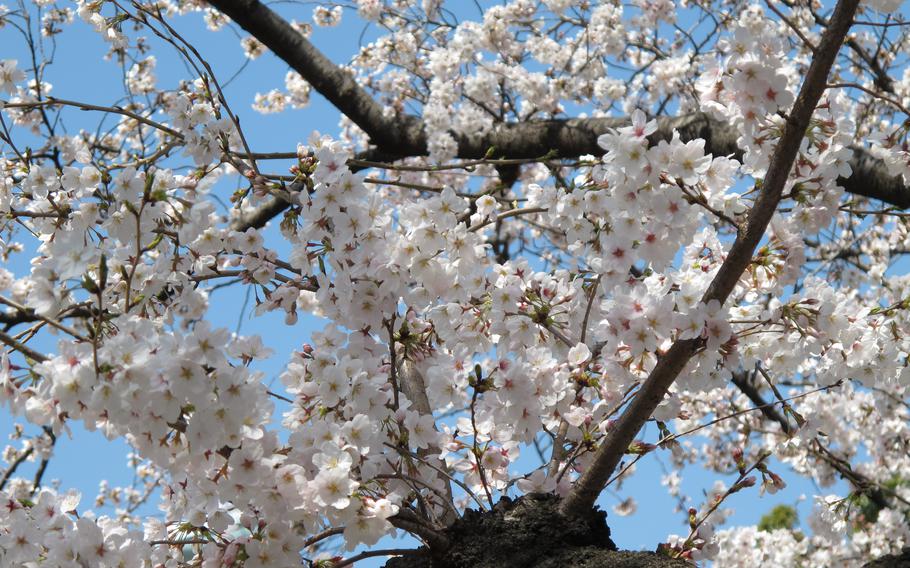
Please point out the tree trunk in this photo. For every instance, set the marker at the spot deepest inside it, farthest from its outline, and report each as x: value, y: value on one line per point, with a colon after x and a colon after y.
x: 529, y: 532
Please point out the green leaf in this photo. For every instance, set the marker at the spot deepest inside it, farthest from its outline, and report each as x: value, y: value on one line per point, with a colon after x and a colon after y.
x: 90, y: 285
x: 780, y: 517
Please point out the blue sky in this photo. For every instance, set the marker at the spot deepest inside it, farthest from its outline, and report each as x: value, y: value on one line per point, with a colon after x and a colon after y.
x: 78, y: 73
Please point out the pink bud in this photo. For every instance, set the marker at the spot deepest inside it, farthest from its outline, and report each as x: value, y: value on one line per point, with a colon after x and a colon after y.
x: 777, y: 481
x: 747, y: 482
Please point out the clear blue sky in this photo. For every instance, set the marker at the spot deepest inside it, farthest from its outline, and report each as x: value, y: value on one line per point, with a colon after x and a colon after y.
x: 78, y: 73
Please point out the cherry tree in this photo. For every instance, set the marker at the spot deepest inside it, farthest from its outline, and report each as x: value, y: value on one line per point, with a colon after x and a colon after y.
x: 541, y: 224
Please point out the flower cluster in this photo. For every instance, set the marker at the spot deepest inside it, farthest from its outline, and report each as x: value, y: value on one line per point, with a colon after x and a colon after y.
x: 473, y: 310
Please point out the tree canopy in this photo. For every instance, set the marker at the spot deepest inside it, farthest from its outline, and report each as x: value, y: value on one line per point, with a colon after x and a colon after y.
x: 541, y: 226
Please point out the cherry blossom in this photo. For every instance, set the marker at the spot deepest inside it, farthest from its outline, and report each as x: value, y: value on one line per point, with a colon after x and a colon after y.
x: 538, y: 227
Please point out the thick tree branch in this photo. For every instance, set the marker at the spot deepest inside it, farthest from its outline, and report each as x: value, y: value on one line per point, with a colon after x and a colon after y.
x: 669, y: 366
x: 577, y: 137
x: 404, y: 136
x: 402, y: 133
x: 401, y: 136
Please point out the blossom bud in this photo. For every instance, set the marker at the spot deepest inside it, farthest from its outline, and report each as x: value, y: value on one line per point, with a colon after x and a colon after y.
x: 640, y: 448
x: 738, y: 458
x: 778, y: 482
x: 246, y: 521
x: 743, y: 483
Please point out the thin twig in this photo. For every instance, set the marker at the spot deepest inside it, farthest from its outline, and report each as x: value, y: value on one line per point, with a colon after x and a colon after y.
x: 53, y: 101
x: 22, y: 348
x: 506, y: 215
x: 11, y: 470
x: 50, y: 321
x: 373, y: 553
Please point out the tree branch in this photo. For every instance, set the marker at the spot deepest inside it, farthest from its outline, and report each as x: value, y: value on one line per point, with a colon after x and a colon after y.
x: 331, y: 81
x: 20, y: 459
x: 745, y: 386
x: 10, y: 341
x: 403, y: 136
x: 610, y: 452
x: 42, y: 467
x: 373, y: 553
x: 881, y: 78
x: 413, y: 387
x: 28, y: 312
x: 577, y: 137
x: 410, y: 522
x: 859, y: 482
x: 275, y: 206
